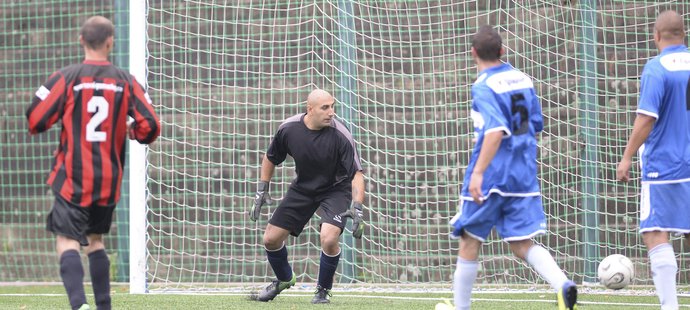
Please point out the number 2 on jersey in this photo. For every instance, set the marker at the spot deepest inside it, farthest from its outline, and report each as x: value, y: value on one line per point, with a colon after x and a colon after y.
x: 100, y: 106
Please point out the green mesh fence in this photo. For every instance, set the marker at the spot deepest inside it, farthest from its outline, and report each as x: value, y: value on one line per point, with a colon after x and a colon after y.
x: 39, y: 37
x: 224, y: 74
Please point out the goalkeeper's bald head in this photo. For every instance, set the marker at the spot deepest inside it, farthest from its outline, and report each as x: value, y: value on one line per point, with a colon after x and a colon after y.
x: 317, y: 96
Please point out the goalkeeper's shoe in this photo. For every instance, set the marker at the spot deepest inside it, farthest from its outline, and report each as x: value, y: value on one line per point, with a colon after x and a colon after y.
x: 567, y: 296
x: 273, y: 289
x: 321, y: 295
x: 85, y: 307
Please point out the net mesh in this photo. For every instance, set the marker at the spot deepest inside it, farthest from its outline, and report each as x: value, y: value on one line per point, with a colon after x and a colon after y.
x: 224, y: 75
x: 38, y: 38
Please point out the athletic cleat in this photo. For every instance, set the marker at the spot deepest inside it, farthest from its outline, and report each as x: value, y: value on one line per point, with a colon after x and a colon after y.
x: 85, y: 307
x: 567, y: 296
x: 445, y: 305
x: 321, y: 296
x: 273, y: 289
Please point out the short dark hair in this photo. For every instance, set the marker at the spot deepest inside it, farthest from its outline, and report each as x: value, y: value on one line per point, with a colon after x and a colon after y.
x: 487, y: 43
x: 96, y: 30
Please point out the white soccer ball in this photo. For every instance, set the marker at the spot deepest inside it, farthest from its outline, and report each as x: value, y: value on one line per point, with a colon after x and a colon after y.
x: 445, y: 305
x: 616, y: 271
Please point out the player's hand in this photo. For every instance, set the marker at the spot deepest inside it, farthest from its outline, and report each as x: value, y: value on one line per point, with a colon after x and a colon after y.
x: 260, y: 199
x: 476, y: 187
x: 355, y: 212
x: 623, y: 170
x: 130, y: 130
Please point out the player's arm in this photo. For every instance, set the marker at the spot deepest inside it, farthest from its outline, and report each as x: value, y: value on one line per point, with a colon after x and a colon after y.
x: 267, y: 169
x: 262, y: 197
x: 536, y: 116
x: 651, y: 95
x: 641, y: 128
x: 355, y: 211
x: 146, y: 126
x: 358, y: 187
x: 492, y: 140
x: 47, y: 105
x: 275, y: 155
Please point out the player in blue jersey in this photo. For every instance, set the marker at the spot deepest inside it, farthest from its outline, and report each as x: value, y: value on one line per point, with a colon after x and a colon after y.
x: 500, y: 188
x: 329, y: 178
x: 661, y: 132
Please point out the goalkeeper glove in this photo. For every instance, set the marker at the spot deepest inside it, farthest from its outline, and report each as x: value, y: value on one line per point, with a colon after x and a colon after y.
x: 260, y: 199
x: 355, y: 212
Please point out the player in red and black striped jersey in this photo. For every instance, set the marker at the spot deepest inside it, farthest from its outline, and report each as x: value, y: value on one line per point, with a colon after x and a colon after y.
x: 92, y: 100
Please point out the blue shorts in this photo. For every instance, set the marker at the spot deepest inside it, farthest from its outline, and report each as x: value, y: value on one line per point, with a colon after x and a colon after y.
x: 665, y: 207
x: 515, y: 218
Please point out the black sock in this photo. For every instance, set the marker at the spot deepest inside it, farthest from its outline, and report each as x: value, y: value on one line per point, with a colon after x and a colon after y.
x: 279, y: 262
x: 327, y: 268
x: 72, y: 274
x: 99, y: 266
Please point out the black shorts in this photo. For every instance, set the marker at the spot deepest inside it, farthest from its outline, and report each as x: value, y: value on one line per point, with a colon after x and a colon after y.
x: 296, y: 209
x: 76, y: 222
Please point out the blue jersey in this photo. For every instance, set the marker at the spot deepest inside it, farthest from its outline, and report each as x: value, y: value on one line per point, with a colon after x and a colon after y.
x: 503, y: 99
x: 664, y: 96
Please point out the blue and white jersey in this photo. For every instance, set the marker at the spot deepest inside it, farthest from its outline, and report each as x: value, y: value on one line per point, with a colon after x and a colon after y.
x: 504, y: 99
x: 665, y: 155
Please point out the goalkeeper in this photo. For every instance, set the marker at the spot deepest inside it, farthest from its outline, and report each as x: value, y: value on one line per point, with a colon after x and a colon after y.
x: 328, y: 180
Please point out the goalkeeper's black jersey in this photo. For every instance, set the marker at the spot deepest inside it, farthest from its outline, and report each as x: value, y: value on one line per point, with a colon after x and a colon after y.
x: 324, y: 158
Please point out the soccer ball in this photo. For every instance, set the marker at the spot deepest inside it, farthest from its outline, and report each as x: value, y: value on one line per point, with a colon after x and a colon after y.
x: 445, y: 305
x: 616, y: 272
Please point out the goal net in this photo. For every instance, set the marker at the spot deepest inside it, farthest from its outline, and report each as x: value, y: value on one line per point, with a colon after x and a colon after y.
x: 225, y: 75
x: 40, y: 37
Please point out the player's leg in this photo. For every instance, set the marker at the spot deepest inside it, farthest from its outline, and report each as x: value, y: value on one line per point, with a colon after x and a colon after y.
x: 69, y: 223
x: 663, y: 207
x: 328, y: 263
x: 71, y: 271
x: 523, y: 218
x: 99, y: 269
x: 663, y: 267
x: 332, y: 204
x: 276, y: 251
x: 465, y: 271
x: 541, y: 260
x: 100, y: 220
x: 289, y: 218
x: 472, y: 226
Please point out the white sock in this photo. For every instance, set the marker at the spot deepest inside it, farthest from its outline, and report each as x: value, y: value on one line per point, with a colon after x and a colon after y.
x: 541, y: 260
x: 664, y: 269
x: 463, y: 279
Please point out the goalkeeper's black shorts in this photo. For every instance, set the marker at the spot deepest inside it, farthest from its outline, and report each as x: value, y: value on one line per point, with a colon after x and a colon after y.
x: 76, y: 222
x: 297, y: 208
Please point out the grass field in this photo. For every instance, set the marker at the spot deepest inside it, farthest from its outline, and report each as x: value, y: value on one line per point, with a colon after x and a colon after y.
x: 53, y: 297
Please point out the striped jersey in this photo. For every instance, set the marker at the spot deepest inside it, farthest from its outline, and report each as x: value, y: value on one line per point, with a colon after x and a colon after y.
x: 92, y: 101
x: 324, y: 159
x: 504, y: 99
